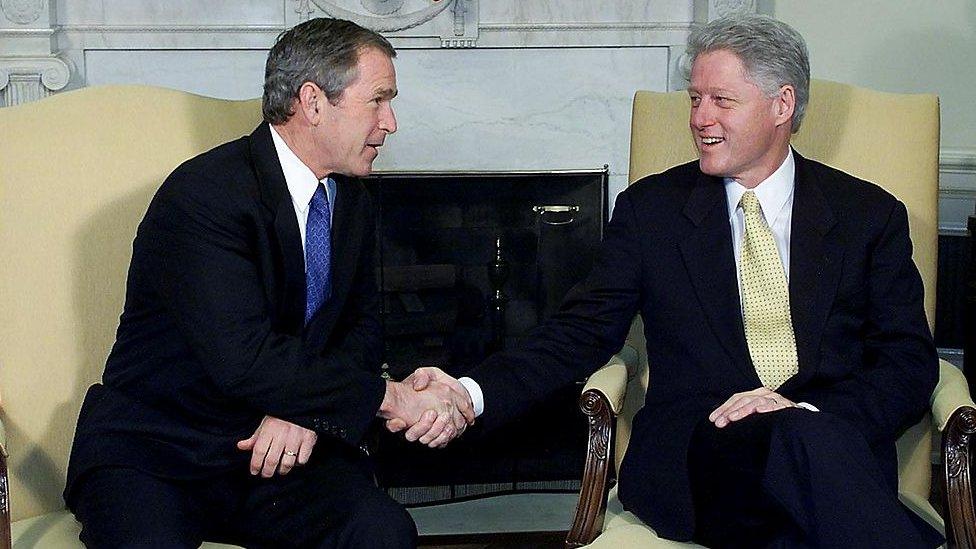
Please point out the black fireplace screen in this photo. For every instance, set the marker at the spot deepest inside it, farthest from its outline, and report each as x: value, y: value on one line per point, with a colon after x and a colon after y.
x: 468, y: 265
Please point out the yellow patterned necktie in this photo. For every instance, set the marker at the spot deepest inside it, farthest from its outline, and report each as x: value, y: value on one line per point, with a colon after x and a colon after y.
x: 765, y: 300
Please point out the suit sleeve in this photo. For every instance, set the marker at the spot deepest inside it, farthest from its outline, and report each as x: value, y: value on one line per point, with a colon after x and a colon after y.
x: 209, y: 277
x: 899, y: 365
x: 589, y: 327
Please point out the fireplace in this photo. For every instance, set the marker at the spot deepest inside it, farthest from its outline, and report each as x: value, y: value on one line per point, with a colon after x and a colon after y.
x: 468, y: 264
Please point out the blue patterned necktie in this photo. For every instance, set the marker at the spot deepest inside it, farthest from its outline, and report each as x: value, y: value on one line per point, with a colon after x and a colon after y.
x: 318, y: 253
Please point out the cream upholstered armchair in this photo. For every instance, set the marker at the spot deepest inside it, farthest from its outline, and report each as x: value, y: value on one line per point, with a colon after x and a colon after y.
x: 889, y: 139
x: 77, y: 171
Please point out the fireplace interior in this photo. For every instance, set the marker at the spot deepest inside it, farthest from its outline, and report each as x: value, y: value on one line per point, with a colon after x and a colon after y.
x: 468, y: 264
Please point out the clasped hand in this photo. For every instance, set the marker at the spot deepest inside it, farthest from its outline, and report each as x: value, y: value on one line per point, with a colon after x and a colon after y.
x: 432, y: 406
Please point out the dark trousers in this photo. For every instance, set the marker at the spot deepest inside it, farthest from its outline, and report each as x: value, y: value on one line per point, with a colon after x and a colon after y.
x: 795, y: 478
x: 330, y: 502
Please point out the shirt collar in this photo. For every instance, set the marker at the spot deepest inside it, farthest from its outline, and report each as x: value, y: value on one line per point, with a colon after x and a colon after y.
x: 773, y: 192
x: 299, y: 177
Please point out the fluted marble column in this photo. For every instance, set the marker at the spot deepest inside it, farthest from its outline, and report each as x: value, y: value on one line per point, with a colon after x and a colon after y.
x: 29, y: 66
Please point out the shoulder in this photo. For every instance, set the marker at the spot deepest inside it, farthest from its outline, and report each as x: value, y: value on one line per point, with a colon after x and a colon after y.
x: 223, y: 174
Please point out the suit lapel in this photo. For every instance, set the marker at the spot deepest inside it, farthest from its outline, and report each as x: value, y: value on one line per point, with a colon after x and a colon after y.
x: 815, y: 266
x: 710, y: 261
x: 288, y: 240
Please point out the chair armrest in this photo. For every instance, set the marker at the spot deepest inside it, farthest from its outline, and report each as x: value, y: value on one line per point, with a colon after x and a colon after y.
x: 602, y: 401
x: 5, y: 541
x: 611, y: 380
x: 954, y: 412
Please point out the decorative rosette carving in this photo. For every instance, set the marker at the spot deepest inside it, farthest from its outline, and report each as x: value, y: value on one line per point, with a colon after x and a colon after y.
x: 731, y: 7
x: 595, y: 406
x: 387, y: 18
x: 22, y: 11
x: 962, y: 426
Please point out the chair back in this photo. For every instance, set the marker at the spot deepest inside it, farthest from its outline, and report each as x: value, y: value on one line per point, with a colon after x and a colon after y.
x: 889, y: 139
x: 77, y: 171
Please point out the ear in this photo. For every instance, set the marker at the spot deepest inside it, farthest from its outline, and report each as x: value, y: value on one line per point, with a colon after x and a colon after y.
x: 785, y: 104
x: 309, y: 103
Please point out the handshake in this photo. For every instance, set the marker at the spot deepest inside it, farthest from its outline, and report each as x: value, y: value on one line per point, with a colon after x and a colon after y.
x: 432, y: 406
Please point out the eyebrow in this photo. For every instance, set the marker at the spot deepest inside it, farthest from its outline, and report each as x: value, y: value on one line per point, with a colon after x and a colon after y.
x: 386, y: 93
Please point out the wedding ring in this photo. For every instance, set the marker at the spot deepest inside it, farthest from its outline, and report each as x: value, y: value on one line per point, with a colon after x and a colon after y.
x: 290, y: 453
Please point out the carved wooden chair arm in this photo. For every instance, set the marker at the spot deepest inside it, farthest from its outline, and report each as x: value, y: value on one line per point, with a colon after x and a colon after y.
x: 602, y: 401
x: 954, y: 412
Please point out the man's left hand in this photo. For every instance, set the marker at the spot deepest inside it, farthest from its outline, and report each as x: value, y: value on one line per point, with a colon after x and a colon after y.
x: 756, y: 401
x: 278, y: 446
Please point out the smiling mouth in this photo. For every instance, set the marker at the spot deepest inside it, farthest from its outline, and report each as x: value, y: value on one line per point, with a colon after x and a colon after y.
x: 711, y: 140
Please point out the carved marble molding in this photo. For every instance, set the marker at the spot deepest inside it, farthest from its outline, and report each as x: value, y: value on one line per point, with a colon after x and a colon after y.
x: 709, y: 10
x: 390, y: 21
x: 453, y: 21
x: 24, y: 79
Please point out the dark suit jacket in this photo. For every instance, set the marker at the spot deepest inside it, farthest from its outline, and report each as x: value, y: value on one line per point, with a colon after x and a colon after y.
x: 212, y: 336
x: 865, y: 350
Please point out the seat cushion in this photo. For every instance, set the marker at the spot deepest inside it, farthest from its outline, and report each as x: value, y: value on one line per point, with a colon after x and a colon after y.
x: 623, y: 529
x: 60, y: 530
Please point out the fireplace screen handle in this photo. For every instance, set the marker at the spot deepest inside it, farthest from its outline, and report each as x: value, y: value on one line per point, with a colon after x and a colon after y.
x: 556, y: 215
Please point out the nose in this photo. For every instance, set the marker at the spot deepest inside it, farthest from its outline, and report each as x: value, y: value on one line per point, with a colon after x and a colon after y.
x: 702, y: 116
x: 388, y: 121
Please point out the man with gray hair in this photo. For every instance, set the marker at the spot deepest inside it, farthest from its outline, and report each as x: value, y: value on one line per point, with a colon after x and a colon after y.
x: 786, y: 338
x: 245, y: 373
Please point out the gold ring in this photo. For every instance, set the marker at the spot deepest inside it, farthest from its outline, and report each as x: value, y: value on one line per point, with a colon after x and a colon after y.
x: 290, y: 453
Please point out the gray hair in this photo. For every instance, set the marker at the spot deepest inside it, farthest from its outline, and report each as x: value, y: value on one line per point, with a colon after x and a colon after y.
x: 322, y: 51
x: 771, y: 51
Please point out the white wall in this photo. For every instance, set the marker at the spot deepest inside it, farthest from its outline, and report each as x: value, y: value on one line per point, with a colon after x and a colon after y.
x: 909, y: 46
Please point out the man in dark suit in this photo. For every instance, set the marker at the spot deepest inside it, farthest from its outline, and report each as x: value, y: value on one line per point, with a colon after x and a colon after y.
x: 250, y: 333
x: 786, y: 337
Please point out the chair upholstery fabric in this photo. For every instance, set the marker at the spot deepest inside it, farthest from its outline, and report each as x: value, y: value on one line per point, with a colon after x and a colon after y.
x: 889, y: 139
x: 77, y: 171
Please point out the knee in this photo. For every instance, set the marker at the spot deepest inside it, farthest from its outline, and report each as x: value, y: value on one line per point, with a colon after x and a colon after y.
x: 810, y: 427
x: 381, y: 523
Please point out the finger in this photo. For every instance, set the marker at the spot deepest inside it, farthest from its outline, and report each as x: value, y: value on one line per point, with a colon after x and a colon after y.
x: 447, y: 435
x: 422, y: 378
x: 247, y: 443
x: 725, y: 407
x: 467, y: 409
x: 744, y: 411
x: 443, y: 422
x: 395, y: 425
x: 308, y: 443
x: 422, y: 426
x: 273, y: 458
x: 259, y: 451
x: 289, y: 452
x: 731, y: 411
x: 773, y: 405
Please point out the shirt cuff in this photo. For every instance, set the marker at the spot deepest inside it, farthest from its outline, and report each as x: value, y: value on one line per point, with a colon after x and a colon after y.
x: 807, y: 406
x: 474, y: 391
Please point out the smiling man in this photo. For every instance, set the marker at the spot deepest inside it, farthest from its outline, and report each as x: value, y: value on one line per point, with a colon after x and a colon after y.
x: 786, y: 338
x: 246, y: 373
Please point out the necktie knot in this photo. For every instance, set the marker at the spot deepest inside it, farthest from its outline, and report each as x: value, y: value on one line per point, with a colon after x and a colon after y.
x: 750, y: 204
x: 320, y: 201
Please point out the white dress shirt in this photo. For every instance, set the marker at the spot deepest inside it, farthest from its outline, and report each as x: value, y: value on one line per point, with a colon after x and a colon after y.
x: 301, y: 183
